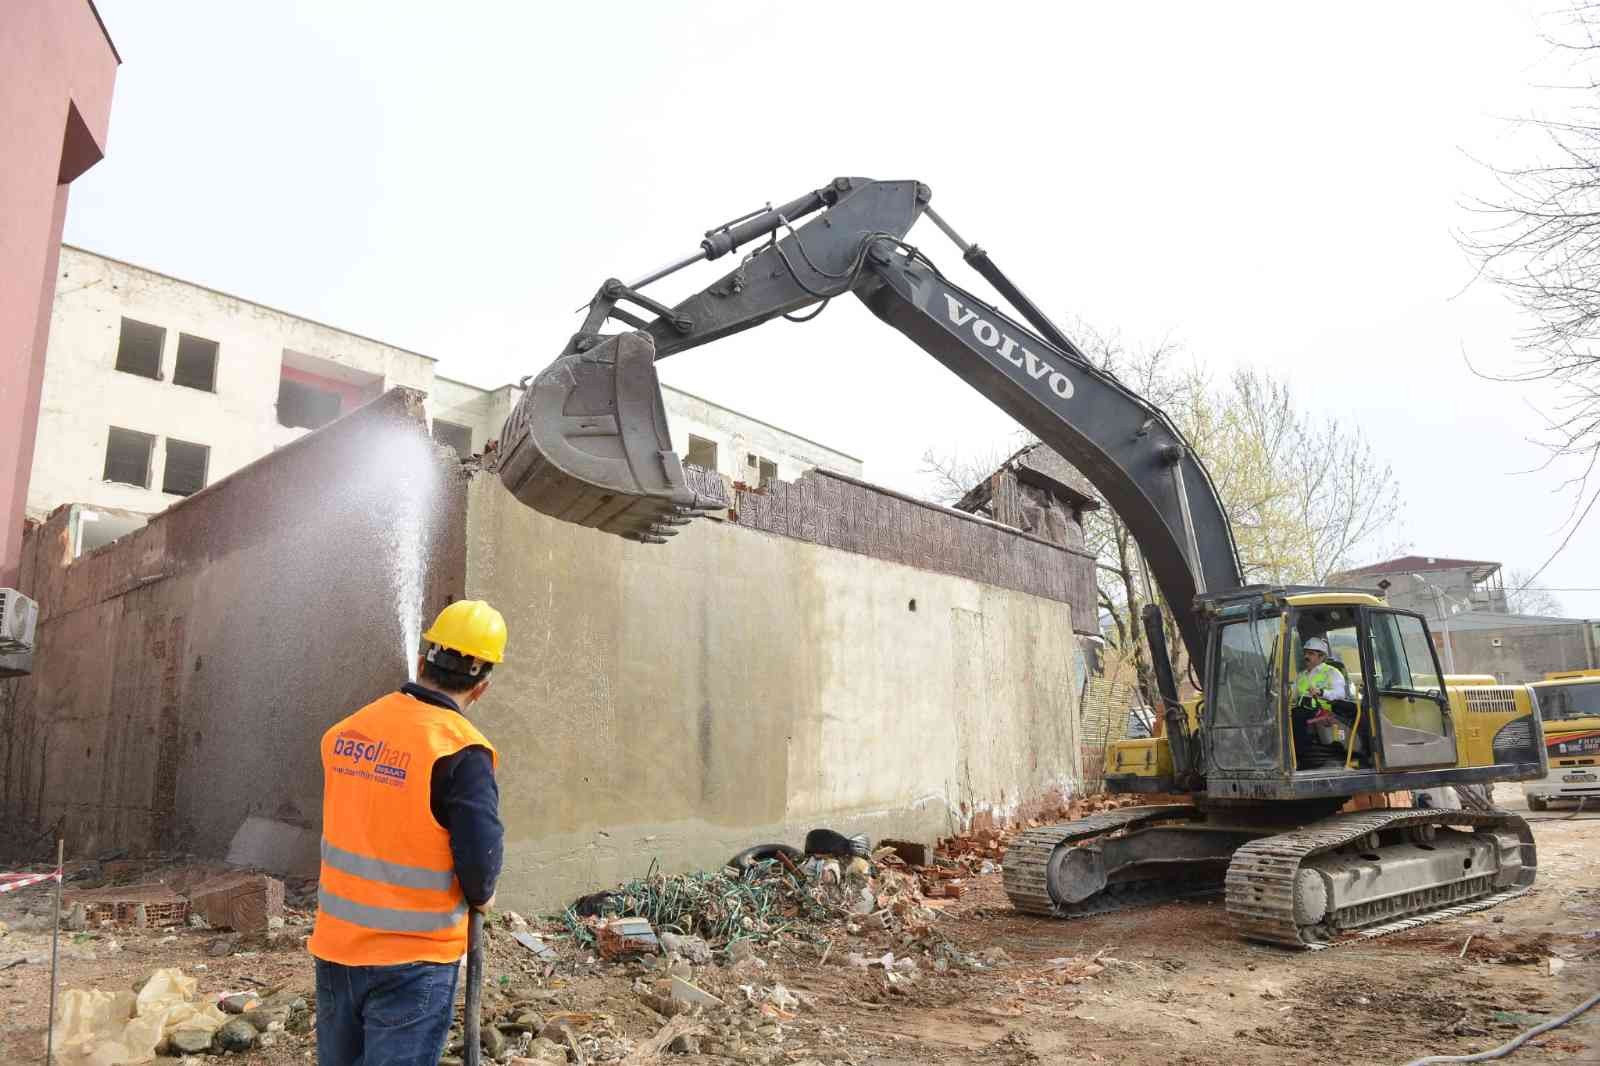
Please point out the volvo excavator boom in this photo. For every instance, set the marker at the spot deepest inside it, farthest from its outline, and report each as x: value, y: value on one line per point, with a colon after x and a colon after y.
x: 607, y: 463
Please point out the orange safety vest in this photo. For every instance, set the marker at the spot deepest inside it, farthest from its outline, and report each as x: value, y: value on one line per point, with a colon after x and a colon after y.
x: 388, y: 892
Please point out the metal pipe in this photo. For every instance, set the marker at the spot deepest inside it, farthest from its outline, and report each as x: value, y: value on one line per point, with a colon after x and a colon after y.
x: 671, y: 268
x: 471, y: 1012
x: 948, y: 230
x: 55, y: 954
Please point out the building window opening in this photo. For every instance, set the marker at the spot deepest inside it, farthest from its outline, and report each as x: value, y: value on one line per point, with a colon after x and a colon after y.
x: 702, y: 453
x: 139, y: 349
x: 128, y: 457
x: 306, y: 406
x: 769, y: 473
x: 185, y: 473
x: 454, y: 435
x: 196, y: 367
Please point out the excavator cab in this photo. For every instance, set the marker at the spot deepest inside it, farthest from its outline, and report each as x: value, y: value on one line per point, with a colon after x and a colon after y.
x: 1395, y: 726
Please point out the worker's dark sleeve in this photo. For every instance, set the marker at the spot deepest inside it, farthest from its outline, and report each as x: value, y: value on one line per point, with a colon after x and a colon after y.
x: 466, y: 802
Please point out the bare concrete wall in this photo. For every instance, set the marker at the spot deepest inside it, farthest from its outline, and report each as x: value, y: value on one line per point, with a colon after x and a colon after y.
x: 185, y: 672
x: 677, y: 702
x: 681, y: 702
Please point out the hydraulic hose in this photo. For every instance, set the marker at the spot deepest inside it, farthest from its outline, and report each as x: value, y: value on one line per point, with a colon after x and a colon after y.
x: 1505, y: 1049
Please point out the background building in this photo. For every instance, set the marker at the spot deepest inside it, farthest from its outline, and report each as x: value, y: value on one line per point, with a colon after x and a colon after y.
x: 1426, y: 584
x: 1465, y: 603
x: 155, y: 387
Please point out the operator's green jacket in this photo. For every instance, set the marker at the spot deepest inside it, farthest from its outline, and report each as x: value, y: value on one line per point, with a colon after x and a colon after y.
x: 1324, y: 677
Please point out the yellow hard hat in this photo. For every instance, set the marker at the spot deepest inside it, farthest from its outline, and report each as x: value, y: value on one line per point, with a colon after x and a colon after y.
x: 470, y: 627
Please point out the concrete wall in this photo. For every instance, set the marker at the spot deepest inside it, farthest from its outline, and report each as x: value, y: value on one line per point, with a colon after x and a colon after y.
x: 185, y: 672
x: 1516, y: 652
x: 674, y: 702
x: 57, y: 68
x: 84, y: 394
x: 682, y: 702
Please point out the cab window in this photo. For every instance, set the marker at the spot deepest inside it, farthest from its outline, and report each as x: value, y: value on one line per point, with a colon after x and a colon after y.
x: 1402, y: 656
x: 1565, y: 702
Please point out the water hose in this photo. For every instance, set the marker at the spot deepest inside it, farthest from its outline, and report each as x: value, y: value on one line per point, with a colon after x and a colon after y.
x: 1505, y: 1049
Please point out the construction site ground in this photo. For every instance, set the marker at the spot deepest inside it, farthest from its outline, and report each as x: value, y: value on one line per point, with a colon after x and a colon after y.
x: 1170, y: 984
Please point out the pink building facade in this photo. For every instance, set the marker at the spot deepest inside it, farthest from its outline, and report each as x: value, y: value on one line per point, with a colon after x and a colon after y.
x: 57, y: 69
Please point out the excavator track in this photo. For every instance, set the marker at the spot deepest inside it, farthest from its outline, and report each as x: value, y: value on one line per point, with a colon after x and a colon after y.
x: 1264, y: 874
x: 1026, y: 869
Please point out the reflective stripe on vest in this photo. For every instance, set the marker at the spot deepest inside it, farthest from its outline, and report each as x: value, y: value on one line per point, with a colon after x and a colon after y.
x: 388, y: 919
x: 388, y: 892
x: 390, y: 873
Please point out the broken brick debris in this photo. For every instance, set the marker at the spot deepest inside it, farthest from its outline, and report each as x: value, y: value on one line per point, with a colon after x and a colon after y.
x: 152, y: 906
x: 910, y: 852
x: 245, y: 903
x: 617, y: 937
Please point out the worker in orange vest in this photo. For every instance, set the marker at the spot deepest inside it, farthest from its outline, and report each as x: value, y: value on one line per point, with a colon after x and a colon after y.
x: 411, y: 839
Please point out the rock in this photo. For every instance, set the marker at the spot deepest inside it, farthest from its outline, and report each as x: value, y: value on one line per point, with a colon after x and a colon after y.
x: 533, y: 1021
x: 693, y: 948
x: 76, y: 919
x: 994, y: 956
x: 684, y: 1044
x: 677, y: 967
x: 493, y: 1041
x: 544, y: 1051
x: 239, y: 1002
x: 191, y: 1041
x: 301, y: 1022
x: 4, y: 929
x: 219, y: 947
x: 235, y: 1035
x: 739, y: 950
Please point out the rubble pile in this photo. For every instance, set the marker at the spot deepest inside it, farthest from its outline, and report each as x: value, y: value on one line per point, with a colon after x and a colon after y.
x: 973, y: 848
x: 764, y: 901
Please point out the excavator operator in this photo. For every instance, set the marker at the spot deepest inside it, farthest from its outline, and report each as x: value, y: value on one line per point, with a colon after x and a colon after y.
x: 1315, y: 689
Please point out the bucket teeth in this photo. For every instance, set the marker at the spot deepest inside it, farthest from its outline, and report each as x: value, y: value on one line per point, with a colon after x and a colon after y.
x: 588, y: 444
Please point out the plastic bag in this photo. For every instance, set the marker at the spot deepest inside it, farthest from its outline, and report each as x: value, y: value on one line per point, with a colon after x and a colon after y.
x: 95, y: 1028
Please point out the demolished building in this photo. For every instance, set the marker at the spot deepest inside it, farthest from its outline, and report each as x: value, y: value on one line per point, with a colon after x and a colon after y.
x: 824, y: 652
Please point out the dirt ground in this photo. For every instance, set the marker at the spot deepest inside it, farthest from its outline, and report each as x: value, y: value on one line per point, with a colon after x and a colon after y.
x: 1164, y: 985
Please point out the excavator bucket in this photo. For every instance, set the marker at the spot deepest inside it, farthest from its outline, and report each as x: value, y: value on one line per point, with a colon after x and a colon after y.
x: 588, y: 444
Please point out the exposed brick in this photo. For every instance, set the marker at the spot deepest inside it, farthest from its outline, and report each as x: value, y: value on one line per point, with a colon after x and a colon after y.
x: 242, y: 902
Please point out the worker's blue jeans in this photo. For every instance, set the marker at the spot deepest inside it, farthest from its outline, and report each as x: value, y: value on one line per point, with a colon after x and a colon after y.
x: 384, y: 1015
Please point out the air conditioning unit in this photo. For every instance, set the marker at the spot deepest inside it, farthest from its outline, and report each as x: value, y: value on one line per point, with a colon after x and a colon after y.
x: 18, y: 616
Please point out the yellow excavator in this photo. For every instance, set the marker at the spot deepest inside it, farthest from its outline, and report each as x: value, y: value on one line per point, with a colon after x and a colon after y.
x: 1265, y: 777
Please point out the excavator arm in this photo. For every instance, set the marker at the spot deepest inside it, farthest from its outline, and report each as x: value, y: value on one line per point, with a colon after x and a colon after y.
x: 588, y: 442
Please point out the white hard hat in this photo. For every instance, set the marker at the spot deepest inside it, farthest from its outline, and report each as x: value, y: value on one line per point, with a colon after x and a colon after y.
x: 1316, y: 644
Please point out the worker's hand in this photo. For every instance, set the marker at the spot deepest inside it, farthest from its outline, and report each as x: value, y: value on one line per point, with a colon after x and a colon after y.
x: 486, y: 906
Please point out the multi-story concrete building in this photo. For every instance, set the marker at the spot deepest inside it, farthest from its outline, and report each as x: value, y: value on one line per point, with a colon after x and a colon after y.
x: 1426, y: 584
x: 154, y: 387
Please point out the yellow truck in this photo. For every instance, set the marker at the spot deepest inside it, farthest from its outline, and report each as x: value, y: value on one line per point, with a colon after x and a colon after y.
x: 1569, y: 704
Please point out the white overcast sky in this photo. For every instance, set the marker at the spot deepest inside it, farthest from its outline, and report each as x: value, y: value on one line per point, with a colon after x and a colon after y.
x: 1267, y: 184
